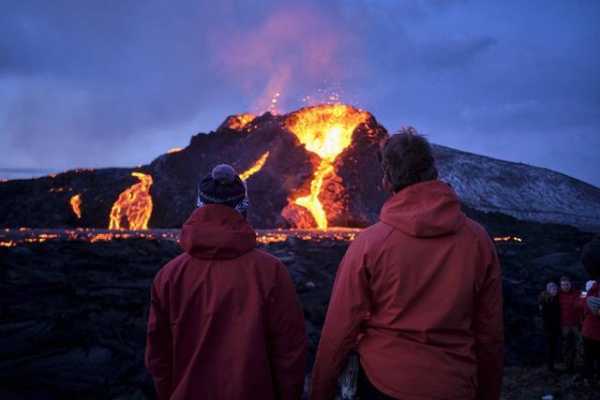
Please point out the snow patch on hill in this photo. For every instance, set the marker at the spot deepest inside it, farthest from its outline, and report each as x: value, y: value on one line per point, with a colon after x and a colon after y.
x: 523, y: 191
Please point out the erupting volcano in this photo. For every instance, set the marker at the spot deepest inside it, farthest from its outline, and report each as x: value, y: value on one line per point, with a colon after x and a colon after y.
x: 316, y: 167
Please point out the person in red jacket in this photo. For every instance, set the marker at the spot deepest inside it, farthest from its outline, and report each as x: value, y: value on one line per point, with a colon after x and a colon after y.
x: 225, y: 321
x: 569, y: 321
x: 418, y: 296
x: 591, y: 325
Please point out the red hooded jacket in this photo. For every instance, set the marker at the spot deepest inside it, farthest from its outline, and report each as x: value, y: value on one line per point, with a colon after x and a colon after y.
x: 224, y: 322
x: 419, y: 297
x: 591, y: 322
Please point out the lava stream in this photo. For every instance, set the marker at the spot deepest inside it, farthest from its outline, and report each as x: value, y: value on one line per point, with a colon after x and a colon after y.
x: 255, y: 168
x: 75, y: 202
x: 325, y: 130
x: 134, y: 205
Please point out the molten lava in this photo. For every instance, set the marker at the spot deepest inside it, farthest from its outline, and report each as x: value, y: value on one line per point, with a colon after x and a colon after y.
x: 134, y: 205
x: 174, y: 150
x: 76, y: 205
x: 238, y: 122
x: 255, y: 168
x: 325, y: 130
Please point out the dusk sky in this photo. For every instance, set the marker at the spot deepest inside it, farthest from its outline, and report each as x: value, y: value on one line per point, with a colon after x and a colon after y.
x: 116, y: 83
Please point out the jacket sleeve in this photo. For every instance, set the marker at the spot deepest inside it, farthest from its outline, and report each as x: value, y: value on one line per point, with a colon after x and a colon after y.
x: 158, y: 357
x: 287, y: 338
x: 348, y: 307
x: 488, y: 328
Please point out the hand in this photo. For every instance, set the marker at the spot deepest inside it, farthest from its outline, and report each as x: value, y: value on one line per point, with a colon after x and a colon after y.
x: 593, y: 304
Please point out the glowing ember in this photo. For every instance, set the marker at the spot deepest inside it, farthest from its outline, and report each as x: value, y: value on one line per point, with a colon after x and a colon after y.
x: 133, y: 205
x: 174, y: 150
x: 102, y: 237
x: 76, y: 205
x: 501, y: 239
x: 238, y: 122
x: 273, y: 105
x: 255, y: 168
x: 14, y: 237
x: 271, y: 238
x: 325, y: 130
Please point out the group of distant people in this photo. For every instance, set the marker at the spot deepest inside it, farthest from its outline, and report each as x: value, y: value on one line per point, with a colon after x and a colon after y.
x: 571, y: 320
x: 417, y: 300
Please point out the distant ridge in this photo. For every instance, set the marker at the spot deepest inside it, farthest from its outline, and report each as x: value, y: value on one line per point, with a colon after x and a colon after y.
x: 24, y: 173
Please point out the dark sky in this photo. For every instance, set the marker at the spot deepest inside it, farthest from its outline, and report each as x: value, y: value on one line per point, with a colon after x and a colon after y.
x: 106, y: 83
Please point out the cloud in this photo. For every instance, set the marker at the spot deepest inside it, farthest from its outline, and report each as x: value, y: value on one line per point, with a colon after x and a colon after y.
x: 454, y: 52
x: 293, y: 47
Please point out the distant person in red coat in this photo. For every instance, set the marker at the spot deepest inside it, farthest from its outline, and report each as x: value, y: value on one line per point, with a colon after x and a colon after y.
x: 418, y: 295
x: 569, y: 321
x: 591, y: 324
x: 225, y: 322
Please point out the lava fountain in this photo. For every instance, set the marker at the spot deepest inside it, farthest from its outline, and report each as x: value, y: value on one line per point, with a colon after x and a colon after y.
x: 325, y: 130
x: 134, y: 205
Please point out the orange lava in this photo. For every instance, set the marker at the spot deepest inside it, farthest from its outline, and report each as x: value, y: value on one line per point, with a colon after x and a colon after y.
x: 134, y: 205
x: 256, y: 167
x: 325, y: 130
x: 239, y: 121
x: 501, y: 239
x: 76, y: 205
x: 174, y: 150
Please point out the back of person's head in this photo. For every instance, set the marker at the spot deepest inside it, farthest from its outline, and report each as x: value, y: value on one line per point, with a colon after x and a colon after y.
x: 590, y: 258
x: 223, y: 186
x: 565, y: 283
x: 551, y: 288
x: 407, y: 159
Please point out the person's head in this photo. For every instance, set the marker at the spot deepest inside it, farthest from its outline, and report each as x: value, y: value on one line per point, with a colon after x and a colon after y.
x: 552, y: 288
x: 565, y: 284
x: 223, y: 186
x: 406, y: 159
x: 590, y: 258
x: 589, y: 285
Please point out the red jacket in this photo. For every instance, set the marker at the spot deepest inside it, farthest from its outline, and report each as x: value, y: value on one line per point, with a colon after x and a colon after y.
x: 419, y: 297
x: 569, y: 302
x: 591, y: 323
x: 225, y: 322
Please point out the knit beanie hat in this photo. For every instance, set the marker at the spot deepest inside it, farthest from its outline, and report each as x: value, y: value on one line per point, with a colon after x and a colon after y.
x: 590, y: 257
x: 223, y: 186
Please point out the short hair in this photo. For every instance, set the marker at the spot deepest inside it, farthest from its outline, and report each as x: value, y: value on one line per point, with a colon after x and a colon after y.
x: 407, y: 159
x: 590, y: 257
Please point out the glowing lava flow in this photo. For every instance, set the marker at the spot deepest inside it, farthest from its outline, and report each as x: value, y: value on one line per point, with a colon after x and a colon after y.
x: 238, y: 122
x: 255, y: 168
x: 134, y: 204
x: 76, y: 205
x: 325, y: 130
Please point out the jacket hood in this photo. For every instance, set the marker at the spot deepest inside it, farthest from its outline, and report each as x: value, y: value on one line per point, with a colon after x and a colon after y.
x: 217, y: 232
x: 426, y: 209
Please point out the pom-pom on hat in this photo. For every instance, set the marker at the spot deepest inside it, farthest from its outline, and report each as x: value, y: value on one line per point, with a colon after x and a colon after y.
x: 222, y: 186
